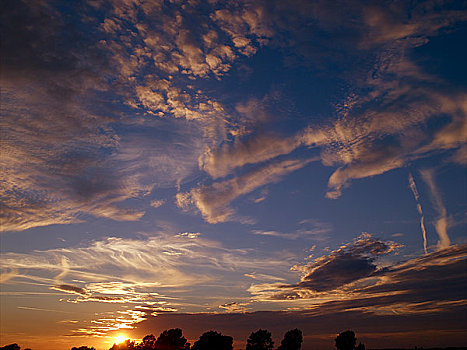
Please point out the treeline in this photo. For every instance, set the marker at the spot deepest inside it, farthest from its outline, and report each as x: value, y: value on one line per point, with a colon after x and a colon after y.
x: 173, y: 339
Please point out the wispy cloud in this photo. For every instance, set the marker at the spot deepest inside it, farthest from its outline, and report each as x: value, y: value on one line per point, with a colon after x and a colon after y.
x: 413, y: 187
x: 234, y: 307
x: 213, y: 200
x: 116, y: 270
x: 310, y: 228
x: 441, y: 224
x: 39, y: 309
x: 71, y: 289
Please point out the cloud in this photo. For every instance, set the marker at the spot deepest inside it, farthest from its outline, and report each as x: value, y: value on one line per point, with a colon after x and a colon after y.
x: 351, y: 279
x: 157, y: 203
x: 152, y: 270
x: 234, y: 307
x: 413, y: 187
x: 380, y: 127
x: 347, y: 264
x: 158, y: 274
x: 71, y: 289
x: 313, y: 228
x: 70, y: 99
x: 213, y: 200
x: 441, y: 224
x: 386, y: 25
x: 113, y: 321
x: 255, y: 150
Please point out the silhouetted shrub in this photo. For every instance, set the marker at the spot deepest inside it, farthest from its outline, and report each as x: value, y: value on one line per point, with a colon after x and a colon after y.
x: 260, y: 340
x: 213, y: 341
x: 83, y: 348
x: 292, y: 340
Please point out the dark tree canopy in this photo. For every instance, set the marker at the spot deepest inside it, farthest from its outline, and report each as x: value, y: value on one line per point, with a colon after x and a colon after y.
x: 360, y: 347
x: 126, y: 345
x: 292, y: 340
x: 10, y: 347
x: 260, y: 340
x: 171, y: 339
x: 346, y: 340
x: 213, y: 341
x: 148, y: 343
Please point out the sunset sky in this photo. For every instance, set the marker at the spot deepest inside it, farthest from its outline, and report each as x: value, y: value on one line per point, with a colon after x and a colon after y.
x: 233, y: 165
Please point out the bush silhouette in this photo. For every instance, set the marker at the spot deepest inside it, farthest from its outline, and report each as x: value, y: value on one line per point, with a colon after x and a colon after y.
x: 213, y: 341
x: 292, y: 340
x: 83, y: 348
x: 260, y: 340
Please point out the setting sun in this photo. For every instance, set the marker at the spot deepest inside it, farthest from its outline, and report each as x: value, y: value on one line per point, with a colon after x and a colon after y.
x: 120, y: 339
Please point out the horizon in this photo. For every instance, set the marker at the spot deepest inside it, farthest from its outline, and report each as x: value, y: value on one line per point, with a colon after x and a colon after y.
x: 206, y: 164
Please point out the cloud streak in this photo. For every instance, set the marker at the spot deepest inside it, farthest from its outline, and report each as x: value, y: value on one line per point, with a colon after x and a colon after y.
x: 414, y: 190
x: 441, y: 224
x: 213, y: 200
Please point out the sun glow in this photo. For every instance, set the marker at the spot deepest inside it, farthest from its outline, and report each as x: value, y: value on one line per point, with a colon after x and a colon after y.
x: 120, y: 339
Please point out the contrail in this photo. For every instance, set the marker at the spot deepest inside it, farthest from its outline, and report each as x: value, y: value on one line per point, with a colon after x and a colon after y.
x: 65, y: 269
x: 442, y: 221
x: 413, y: 187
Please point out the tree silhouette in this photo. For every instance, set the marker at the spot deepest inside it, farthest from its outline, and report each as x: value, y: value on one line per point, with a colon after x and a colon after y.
x: 126, y: 345
x: 260, y: 340
x: 171, y: 339
x: 346, y: 341
x: 360, y: 346
x: 292, y: 340
x: 82, y: 348
x: 10, y: 347
x: 213, y: 341
x: 148, y: 343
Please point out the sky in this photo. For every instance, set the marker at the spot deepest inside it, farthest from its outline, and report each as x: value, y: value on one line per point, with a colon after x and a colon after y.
x: 233, y: 165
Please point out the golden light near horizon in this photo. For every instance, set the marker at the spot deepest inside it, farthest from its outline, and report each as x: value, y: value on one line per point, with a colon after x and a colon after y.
x: 120, y: 339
